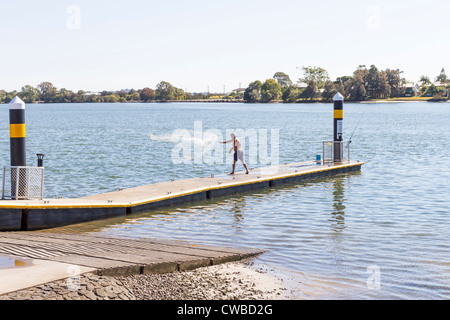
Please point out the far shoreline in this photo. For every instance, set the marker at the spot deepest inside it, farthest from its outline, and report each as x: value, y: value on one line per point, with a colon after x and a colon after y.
x: 250, y: 103
x: 200, y: 101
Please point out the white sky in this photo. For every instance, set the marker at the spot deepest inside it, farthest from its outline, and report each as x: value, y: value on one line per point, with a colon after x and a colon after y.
x: 111, y: 45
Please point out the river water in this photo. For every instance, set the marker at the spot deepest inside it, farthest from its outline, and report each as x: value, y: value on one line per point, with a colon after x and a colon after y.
x: 382, y: 233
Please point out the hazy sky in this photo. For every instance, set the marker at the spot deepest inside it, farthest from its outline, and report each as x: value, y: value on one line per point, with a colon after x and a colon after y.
x: 110, y: 45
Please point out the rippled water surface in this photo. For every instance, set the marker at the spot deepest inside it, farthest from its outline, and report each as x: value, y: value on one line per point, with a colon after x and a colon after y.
x: 382, y: 233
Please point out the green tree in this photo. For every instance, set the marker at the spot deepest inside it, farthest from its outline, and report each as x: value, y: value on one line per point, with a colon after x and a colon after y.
x: 29, y: 94
x: 2, y: 96
x: 290, y: 93
x: 165, y: 91
x: 343, y: 85
x: 376, y: 83
x: 357, y: 90
x: 424, y: 84
x: 147, y: 94
x: 121, y: 93
x: 282, y: 79
x: 372, y: 81
x: 424, y: 80
x: 310, y: 91
x: 10, y: 95
x: 93, y: 98
x: 134, y: 96
x: 329, y: 91
x: 384, y: 86
x: 434, y: 91
x: 112, y: 98
x: 315, y: 77
x: 80, y: 97
x: 396, y: 82
x: 48, y: 92
x: 442, y: 77
x: 179, y: 94
x: 252, y: 93
x: 64, y: 96
x: 342, y: 79
x: 270, y: 90
x: 316, y: 74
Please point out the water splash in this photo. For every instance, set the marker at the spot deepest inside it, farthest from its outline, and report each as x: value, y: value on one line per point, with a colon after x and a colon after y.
x: 206, y: 141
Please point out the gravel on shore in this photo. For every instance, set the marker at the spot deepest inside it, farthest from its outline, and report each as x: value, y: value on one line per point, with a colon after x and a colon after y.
x: 231, y: 281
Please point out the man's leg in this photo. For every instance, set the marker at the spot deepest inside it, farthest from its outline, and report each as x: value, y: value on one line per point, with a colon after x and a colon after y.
x: 234, y: 166
x: 245, y: 166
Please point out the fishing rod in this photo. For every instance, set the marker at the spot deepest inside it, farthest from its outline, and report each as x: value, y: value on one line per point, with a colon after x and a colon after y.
x: 350, y: 140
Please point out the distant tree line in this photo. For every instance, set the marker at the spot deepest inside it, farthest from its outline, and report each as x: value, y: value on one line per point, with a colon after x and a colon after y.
x: 48, y: 93
x: 315, y: 85
x: 364, y: 84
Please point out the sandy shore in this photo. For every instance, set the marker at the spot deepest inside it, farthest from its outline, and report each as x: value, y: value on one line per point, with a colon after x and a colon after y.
x: 231, y: 281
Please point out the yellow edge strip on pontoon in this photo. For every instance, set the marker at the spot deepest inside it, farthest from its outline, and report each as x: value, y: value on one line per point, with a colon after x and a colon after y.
x: 132, y: 204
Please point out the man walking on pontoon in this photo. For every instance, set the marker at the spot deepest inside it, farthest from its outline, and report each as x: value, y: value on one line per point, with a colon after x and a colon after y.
x: 238, y: 152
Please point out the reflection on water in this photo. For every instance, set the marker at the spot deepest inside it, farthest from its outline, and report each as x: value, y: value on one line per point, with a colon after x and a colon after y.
x: 8, y: 262
x: 238, y: 210
x: 338, y: 212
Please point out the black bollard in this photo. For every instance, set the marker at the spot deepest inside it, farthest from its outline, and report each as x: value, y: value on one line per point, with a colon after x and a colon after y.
x: 17, y: 145
x: 40, y: 161
x: 338, y: 127
x: 17, y: 132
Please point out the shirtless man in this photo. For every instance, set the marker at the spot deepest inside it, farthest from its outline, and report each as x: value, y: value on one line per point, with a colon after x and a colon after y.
x: 238, y: 152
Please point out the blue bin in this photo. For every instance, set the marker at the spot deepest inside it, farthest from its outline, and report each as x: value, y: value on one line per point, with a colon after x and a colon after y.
x: 318, y: 160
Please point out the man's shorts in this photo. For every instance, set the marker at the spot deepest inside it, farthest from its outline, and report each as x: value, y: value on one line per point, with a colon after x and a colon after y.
x: 239, y: 155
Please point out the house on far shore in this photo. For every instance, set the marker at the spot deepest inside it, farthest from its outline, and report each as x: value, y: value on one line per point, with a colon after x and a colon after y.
x: 92, y: 93
x: 441, y: 87
x: 411, y: 89
x: 238, y: 91
x: 302, y: 85
x: 444, y: 90
x: 440, y: 84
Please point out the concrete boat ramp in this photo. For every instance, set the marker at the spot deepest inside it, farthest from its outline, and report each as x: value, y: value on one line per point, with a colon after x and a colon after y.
x: 41, y: 257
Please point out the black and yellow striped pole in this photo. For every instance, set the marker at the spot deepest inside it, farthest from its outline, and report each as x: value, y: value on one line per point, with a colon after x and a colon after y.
x: 17, y: 132
x: 338, y: 116
x: 17, y: 146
